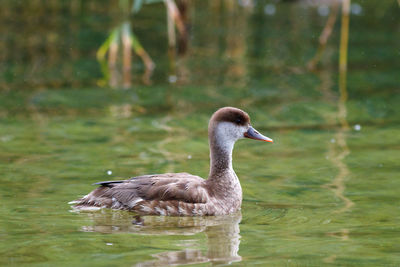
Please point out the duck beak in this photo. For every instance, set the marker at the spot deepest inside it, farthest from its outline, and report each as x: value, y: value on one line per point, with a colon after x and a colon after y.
x: 253, y: 134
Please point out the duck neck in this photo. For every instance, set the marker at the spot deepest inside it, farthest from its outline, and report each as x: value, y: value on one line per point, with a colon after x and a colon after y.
x: 220, y: 157
x: 222, y: 180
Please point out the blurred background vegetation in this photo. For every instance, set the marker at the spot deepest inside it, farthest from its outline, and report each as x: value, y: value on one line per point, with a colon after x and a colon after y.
x: 54, y: 44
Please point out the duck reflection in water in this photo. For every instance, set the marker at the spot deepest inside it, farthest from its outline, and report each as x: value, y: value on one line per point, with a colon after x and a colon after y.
x: 222, y: 235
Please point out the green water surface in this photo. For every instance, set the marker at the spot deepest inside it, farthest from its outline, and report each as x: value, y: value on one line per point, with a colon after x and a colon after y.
x: 326, y: 193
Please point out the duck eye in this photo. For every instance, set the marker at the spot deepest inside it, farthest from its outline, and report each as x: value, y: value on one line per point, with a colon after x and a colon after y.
x: 238, y: 121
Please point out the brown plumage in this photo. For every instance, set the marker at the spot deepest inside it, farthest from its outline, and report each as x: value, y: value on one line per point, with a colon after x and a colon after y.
x: 183, y: 194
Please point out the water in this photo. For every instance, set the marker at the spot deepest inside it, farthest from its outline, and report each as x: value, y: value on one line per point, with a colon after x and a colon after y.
x: 325, y: 193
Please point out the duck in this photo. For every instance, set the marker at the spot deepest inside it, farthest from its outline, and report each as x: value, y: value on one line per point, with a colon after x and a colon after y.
x: 184, y: 194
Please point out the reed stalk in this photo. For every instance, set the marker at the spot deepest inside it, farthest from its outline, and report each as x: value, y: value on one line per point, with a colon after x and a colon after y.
x: 324, y: 37
x: 112, y: 59
x: 344, y: 40
x: 147, y: 61
x: 173, y: 19
x: 126, y: 54
x: 174, y: 13
x: 170, y: 25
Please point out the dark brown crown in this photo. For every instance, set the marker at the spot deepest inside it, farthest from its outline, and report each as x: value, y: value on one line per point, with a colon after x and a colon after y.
x: 230, y: 114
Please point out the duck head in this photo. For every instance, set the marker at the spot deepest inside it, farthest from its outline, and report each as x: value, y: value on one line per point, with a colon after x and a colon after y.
x: 228, y: 124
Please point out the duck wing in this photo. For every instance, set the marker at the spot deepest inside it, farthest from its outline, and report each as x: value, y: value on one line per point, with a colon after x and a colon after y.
x: 146, y: 189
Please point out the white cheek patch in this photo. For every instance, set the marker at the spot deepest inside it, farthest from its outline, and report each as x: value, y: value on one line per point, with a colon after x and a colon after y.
x: 228, y: 133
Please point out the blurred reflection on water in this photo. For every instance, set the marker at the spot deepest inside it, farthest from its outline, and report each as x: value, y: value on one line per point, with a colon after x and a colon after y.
x: 338, y: 153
